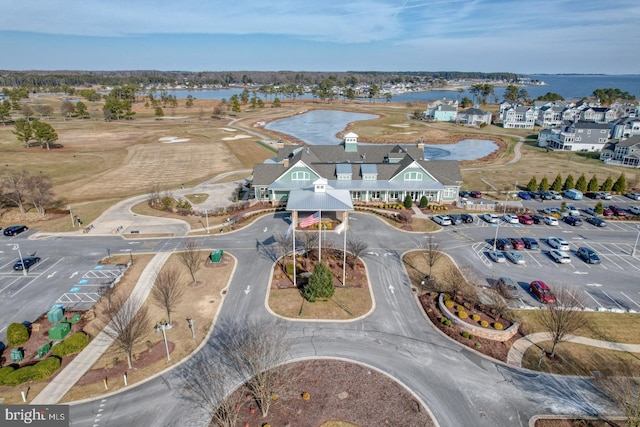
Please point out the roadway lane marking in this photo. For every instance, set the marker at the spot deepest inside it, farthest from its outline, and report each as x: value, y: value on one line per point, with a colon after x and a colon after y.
x: 391, y: 288
x: 246, y: 291
x: 626, y: 296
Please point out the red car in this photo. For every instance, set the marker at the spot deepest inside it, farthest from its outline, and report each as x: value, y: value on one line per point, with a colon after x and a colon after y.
x: 617, y: 211
x: 607, y: 212
x: 542, y: 292
x: 476, y: 194
x: 517, y: 243
x: 525, y: 219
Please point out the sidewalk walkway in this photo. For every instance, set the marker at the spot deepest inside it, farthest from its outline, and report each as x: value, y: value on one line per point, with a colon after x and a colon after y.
x: 516, y: 353
x: 64, y: 380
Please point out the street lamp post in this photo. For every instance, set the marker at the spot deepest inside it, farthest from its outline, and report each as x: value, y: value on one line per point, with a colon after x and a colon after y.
x: 163, y: 326
x: 192, y: 327
x: 206, y: 214
x: 495, y: 239
x: 633, y: 252
x: 16, y: 247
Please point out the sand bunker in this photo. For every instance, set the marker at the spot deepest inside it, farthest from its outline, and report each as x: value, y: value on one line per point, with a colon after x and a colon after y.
x: 229, y: 129
x: 172, y: 139
x: 400, y: 126
x: 231, y: 138
x: 407, y: 133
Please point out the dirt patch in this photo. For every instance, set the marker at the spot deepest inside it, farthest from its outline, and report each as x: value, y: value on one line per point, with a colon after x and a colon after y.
x: 340, y: 390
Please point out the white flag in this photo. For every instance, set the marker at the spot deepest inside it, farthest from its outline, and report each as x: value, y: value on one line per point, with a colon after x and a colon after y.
x: 289, y: 230
x: 340, y: 228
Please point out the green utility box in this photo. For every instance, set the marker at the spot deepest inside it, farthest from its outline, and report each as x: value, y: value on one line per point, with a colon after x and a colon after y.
x: 42, y: 351
x: 59, y: 331
x: 16, y: 355
x: 55, y: 314
x: 75, y: 319
x: 216, y: 256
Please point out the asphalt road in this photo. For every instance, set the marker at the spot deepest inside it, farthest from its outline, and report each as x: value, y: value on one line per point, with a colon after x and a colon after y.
x: 459, y: 386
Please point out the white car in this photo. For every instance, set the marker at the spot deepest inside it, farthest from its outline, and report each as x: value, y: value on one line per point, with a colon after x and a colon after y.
x: 560, y: 256
x: 556, y: 195
x: 633, y: 196
x: 491, y: 218
x: 558, y: 243
x: 442, y: 219
x: 495, y: 256
x: 573, y: 211
x: 510, y: 218
x: 634, y: 210
x: 515, y: 257
x: 549, y: 220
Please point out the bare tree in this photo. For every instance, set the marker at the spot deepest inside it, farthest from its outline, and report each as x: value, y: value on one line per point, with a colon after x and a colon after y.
x: 309, y: 241
x: 167, y: 291
x: 623, y: 389
x: 253, y: 352
x: 432, y: 252
x: 283, y: 244
x: 563, y: 318
x: 206, y: 384
x: 153, y: 198
x: 190, y: 257
x: 15, y: 186
x: 127, y: 323
x: 39, y: 192
x: 355, y: 247
x: 454, y: 282
x: 497, y: 304
x: 67, y: 109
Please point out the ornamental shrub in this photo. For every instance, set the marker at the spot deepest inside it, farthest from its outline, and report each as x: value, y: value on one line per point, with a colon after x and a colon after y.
x: 4, y: 372
x: 40, y: 371
x: 498, y: 326
x: 306, y: 396
x: 475, y: 317
x: 447, y: 322
x: 17, y: 334
x: 478, y: 345
x: 465, y: 334
x: 484, y: 323
x: 463, y: 314
x: 460, y: 308
x: 320, y: 284
x: 471, y: 336
x: 72, y: 345
x: 448, y: 303
x: 424, y: 202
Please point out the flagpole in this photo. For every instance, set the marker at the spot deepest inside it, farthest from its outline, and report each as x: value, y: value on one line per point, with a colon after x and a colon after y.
x: 320, y: 234
x: 295, y: 283
x: 344, y: 255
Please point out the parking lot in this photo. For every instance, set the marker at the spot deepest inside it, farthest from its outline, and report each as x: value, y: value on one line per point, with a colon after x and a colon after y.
x: 611, y: 285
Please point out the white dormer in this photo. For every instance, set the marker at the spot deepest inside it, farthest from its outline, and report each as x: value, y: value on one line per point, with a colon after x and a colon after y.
x: 351, y: 142
x: 320, y: 185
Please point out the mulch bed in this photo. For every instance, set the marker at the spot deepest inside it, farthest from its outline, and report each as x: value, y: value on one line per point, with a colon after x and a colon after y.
x: 497, y: 350
x: 339, y: 391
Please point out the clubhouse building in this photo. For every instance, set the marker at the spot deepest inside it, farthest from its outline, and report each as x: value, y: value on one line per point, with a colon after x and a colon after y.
x: 368, y: 172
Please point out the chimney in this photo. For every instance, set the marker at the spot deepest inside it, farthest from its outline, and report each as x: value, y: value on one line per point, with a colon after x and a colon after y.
x: 421, y: 144
x: 285, y: 163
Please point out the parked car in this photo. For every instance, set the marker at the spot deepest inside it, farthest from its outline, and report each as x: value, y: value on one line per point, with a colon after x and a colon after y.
x: 549, y: 220
x: 508, y: 282
x: 496, y: 256
x: 456, y: 219
x: 590, y: 211
x: 525, y: 219
x: 12, y: 230
x: 530, y: 243
x: 542, y: 292
x: 537, y: 219
x: 524, y: 195
x: 535, y: 195
x: 517, y: 243
x: 463, y: 193
x: 588, y: 255
x: 476, y: 194
x: 558, y: 243
x: 490, y: 218
x: 593, y: 195
x: 634, y: 210
x: 573, y: 194
x: 515, y: 257
x: 25, y: 263
x: 606, y: 211
x: 633, y: 196
x: 560, y: 257
x: 572, y: 220
x: 501, y: 243
x: 617, y: 210
x: 605, y: 195
x: 548, y: 211
x: 572, y: 210
x: 441, y: 219
x: 556, y: 195
x: 545, y: 195
x: 466, y: 218
x: 510, y: 218
x: 598, y: 222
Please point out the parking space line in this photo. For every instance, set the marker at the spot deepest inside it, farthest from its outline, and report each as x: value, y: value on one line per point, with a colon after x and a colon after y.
x: 40, y: 274
x: 630, y: 299
x: 594, y: 300
x: 11, y: 283
x: 612, y: 300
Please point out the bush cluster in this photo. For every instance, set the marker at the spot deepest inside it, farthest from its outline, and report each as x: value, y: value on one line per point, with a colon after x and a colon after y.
x: 475, y: 317
x: 484, y: 323
x: 40, y: 371
x: 463, y: 314
x: 437, y: 208
x: 17, y: 334
x: 72, y: 345
x: 467, y: 335
x: 445, y: 321
x: 449, y: 303
x: 498, y: 326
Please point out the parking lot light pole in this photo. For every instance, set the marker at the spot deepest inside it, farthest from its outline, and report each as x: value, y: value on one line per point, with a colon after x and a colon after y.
x: 163, y: 326
x: 16, y: 247
x: 495, y: 239
x: 633, y: 252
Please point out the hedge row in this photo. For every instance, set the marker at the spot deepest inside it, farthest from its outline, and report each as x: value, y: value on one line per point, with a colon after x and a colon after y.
x: 72, y: 345
x: 38, y: 372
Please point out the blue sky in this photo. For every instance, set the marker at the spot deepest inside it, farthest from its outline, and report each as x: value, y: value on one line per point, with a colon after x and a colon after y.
x: 522, y: 36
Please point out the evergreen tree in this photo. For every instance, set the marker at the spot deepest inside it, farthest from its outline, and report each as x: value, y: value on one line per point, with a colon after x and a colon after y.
x: 408, y: 202
x: 424, y: 202
x: 533, y: 184
x: 544, y: 184
x: 581, y: 184
x: 607, y: 184
x: 620, y: 186
x: 320, y: 284
x: 593, y: 184
x: 557, y: 183
x: 568, y: 183
x: 599, y: 208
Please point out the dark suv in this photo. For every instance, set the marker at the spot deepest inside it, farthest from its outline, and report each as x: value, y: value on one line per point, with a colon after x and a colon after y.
x: 502, y: 244
x: 572, y: 220
x: 15, y: 229
x: 588, y: 255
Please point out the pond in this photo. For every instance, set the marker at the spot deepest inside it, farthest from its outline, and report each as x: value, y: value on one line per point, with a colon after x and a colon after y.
x: 319, y: 127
